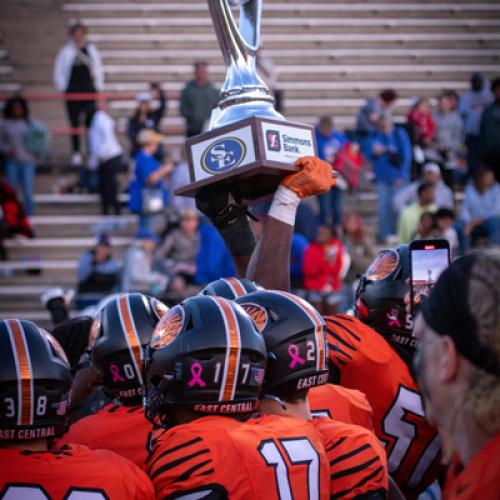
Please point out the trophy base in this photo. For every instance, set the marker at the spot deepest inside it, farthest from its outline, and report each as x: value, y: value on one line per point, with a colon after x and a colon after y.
x: 252, y: 155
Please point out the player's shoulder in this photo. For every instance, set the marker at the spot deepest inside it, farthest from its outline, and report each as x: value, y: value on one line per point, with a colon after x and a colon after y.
x: 340, y: 403
x: 279, y: 426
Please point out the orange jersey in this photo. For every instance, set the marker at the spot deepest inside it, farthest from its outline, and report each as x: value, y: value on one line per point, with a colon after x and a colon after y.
x: 341, y: 404
x: 72, y: 472
x: 358, y: 464
x: 122, y: 429
x: 480, y: 479
x: 368, y: 363
x: 267, y: 457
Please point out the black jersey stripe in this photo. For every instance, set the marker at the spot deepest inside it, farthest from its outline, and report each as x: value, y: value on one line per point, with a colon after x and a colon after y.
x: 352, y: 453
x: 330, y: 332
x: 174, y: 463
x: 353, y: 470
x: 186, y: 475
x: 363, y: 481
x: 340, y: 325
x: 334, y: 445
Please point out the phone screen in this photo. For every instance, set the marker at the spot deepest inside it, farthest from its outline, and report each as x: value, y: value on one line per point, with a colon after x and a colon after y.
x: 428, y: 261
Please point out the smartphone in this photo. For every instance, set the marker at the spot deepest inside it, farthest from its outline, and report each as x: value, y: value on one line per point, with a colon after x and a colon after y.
x: 428, y: 259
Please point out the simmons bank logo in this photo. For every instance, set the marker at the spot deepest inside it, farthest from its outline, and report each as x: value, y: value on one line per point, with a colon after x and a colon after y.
x: 273, y: 140
x: 223, y: 155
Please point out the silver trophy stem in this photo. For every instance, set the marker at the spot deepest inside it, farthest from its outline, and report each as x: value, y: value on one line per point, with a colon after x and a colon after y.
x: 244, y: 93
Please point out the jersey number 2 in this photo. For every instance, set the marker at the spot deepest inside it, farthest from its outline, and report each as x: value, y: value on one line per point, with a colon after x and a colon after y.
x: 300, y: 451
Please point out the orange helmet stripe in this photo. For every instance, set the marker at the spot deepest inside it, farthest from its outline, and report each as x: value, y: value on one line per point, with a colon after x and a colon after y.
x: 131, y: 335
x: 318, y: 328
x: 233, y: 350
x: 236, y: 286
x: 25, y: 390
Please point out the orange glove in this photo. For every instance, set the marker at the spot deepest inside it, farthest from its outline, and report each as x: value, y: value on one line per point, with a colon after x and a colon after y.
x: 314, y: 177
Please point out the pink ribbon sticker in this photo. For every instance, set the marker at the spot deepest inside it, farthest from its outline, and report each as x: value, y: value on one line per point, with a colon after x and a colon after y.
x: 115, y: 371
x: 196, y: 371
x: 294, y: 353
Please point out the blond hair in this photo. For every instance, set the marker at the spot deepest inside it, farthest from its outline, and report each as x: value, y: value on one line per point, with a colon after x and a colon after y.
x: 482, y: 400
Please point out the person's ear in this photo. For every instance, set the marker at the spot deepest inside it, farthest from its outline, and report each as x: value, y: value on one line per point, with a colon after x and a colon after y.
x: 448, y: 364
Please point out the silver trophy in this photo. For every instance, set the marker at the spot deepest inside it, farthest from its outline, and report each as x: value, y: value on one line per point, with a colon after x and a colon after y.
x: 249, y: 144
x: 244, y: 93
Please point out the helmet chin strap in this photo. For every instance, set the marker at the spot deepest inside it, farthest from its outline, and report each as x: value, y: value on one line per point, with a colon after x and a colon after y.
x: 276, y: 399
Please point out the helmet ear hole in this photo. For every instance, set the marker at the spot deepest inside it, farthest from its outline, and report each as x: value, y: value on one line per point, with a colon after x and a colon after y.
x: 189, y: 324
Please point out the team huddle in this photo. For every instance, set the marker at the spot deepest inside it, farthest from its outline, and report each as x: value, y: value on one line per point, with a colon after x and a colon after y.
x: 239, y: 392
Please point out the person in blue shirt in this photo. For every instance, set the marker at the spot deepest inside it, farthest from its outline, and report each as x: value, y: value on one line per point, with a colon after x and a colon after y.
x: 389, y: 151
x: 214, y: 260
x: 329, y: 142
x: 147, y: 188
x: 299, y: 246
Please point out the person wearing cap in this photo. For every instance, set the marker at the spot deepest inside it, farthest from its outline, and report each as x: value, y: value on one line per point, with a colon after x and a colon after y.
x: 177, y: 254
x: 147, y: 188
x: 431, y: 173
x: 458, y: 369
x: 145, y: 116
x: 369, y: 115
x: 98, y: 270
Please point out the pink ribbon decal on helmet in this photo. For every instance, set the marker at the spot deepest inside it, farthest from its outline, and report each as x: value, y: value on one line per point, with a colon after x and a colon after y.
x: 196, y: 371
x: 294, y: 353
x: 115, y: 371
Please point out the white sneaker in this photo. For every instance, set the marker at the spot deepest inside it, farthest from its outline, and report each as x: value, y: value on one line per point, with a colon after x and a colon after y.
x: 76, y: 159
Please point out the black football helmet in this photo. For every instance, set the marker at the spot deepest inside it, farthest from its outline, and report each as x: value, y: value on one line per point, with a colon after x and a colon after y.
x: 35, y: 383
x: 380, y: 299
x: 295, y: 340
x: 119, y: 333
x: 230, y: 288
x: 207, y: 356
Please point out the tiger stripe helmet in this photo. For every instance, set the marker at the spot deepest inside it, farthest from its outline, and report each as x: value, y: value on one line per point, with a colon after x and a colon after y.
x: 294, y: 333
x: 119, y: 333
x: 206, y: 355
x: 230, y: 288
x: 35, y: 383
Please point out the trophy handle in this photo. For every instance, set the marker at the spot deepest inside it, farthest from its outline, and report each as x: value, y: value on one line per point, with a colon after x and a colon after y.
x: 239, y: 47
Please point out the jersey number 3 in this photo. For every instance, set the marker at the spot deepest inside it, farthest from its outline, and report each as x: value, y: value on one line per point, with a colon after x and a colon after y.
x: 299, y: 451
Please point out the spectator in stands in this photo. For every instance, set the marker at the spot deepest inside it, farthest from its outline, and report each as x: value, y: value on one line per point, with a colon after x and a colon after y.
x: 449, y: 136
x: 426, y: 228
x: 148, y: 191
x: 179, y: 250
x: 105, y: 156
x: 349, y: 162
x: 78, y: 69
x: 472, y: 104
x: 139, y: 272
x: 147, y: 117
x: 324, y: 269
x: 198, y: 99
x: 180, y: 177
x: 371, y: 112
x: 307, y: 220
x: 299, y: 247
x: 214, y: 260
x: 20, y: 159
x: 98, y: 270
x: 431, y: 173
x: 445, y: 222
x: 454, y: 99
x: 389, y: 151
x: 267, y: 71
x: 489, y: 132
x: 410, y: 216
x: 422, y: 123
x: 480, y: 217
x: 329, y: 142
x: 361, y: 252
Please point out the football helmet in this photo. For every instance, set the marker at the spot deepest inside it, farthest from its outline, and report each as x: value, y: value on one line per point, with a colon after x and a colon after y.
x: 35, y: 383
x: 207, y: 356
x: 230, y: 288
x: 380, y: 299
x: 118, y: 334
x: 294, y: 333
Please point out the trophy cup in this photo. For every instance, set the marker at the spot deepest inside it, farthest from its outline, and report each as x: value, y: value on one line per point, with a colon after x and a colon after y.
x: 249, y: 144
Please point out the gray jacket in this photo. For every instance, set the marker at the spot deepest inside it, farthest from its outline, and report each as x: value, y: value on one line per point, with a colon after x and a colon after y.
x: 197, y: 104
x: 450, y: 130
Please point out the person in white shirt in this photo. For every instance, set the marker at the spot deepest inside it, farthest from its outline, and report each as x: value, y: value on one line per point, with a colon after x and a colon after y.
x: 78, y: 69
x: 105, y: 157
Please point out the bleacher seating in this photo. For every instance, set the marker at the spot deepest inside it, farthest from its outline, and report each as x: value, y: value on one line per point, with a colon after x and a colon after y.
x: 330, y: 54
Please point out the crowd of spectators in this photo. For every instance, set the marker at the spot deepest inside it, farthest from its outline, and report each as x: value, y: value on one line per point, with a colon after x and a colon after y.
x: 418, y: 169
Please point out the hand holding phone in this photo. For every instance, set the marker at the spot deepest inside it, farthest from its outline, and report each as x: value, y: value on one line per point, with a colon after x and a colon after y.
x: 428, y: 259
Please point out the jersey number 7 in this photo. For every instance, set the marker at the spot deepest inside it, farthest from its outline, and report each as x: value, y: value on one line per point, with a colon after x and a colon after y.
x: 299, y: 451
